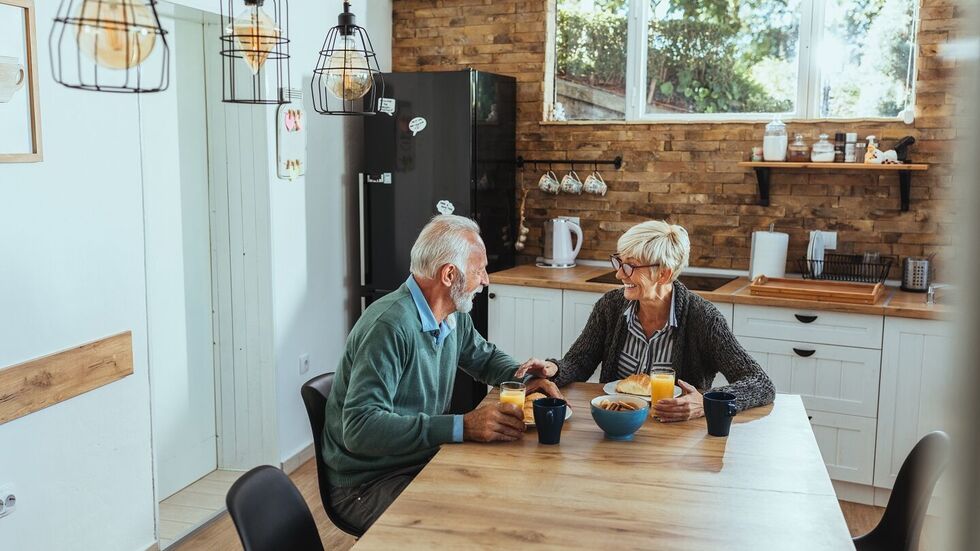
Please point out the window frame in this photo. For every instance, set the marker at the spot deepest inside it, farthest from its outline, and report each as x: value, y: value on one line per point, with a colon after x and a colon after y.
x: 812, y: 14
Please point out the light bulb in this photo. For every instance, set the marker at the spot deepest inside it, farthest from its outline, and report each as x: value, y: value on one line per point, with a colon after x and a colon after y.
x: 116, y: 34
x: 348, y: 74
x: 255, y: 35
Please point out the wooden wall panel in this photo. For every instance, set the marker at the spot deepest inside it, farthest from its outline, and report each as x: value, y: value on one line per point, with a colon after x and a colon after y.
x: 36, y: 384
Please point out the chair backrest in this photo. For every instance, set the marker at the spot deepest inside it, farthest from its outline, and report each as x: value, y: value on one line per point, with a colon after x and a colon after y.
x: 901, y: 525
x: 270, y: 513
x: 315, y: 392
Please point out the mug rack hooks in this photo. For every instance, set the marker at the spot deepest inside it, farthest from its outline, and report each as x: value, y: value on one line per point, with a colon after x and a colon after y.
x: 616, y: 162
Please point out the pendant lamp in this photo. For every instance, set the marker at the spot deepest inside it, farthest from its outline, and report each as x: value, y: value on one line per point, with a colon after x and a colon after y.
x: 255, y: 51
x: 347, y: 79
x: 106, y: 46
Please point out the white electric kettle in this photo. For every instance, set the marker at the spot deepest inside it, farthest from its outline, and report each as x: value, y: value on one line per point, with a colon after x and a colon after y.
x: 560, y: 254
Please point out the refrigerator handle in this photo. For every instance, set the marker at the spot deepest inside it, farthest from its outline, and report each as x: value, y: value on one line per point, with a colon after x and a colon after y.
x: 360, y: 222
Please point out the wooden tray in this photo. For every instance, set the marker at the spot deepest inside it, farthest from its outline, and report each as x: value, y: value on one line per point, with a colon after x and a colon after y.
x: 819, y: 291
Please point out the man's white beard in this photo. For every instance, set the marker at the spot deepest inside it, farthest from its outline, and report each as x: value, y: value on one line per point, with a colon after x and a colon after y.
x: 462, y: 299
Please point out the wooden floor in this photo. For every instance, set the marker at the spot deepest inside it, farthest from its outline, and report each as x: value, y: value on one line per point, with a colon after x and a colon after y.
x: 200, y: 502
x: 220, y: 535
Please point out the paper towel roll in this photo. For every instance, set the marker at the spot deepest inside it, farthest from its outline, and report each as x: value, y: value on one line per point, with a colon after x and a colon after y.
x: 768, y: 254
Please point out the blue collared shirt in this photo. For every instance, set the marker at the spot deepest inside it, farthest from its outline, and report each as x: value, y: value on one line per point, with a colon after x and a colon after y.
x: 439, y: 332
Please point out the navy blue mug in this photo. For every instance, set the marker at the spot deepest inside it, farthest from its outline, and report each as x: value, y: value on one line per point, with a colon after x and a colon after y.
x: 719, y: 408
x: 549, y: 417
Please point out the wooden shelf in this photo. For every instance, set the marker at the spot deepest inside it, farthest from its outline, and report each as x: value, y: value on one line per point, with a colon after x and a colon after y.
x: 763, y: 170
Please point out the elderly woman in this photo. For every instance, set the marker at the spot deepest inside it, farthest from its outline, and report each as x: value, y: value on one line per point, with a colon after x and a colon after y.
x: 655, y: 321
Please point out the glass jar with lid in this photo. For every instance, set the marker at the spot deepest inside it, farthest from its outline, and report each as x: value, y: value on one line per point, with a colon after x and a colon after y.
x: 823, y: 150
x: 799, y: 152
x: 774, y: 141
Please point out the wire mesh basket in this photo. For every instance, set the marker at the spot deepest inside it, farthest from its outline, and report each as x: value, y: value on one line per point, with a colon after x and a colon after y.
x: 847, y: 267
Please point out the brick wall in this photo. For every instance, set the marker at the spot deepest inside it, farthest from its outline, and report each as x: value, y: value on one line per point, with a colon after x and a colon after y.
x: 688, y: 173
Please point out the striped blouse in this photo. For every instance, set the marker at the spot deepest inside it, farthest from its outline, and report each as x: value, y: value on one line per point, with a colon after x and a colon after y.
x: 640, y: 354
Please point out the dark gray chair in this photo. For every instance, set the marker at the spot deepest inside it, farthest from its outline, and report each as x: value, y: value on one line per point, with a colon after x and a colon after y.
x: 270, y: 514
x: 315, y: 393
x: 901, y: 525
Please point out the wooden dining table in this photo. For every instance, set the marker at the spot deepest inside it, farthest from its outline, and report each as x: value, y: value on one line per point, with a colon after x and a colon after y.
x: 672, y: 487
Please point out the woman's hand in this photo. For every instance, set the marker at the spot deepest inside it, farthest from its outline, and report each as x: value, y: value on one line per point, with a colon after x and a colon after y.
x: 537, y: 368
x: 689, y: 405
x: 544, y: 386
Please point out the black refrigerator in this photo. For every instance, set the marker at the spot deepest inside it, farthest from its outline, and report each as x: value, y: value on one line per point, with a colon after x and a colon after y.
x: 447, y: 143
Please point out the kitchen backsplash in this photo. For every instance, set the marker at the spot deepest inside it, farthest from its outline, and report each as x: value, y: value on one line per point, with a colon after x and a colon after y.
x: 688, y: 173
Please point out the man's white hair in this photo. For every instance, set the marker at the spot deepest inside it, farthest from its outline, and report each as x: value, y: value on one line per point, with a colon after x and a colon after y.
x: 657, y: 242
x: 446, y: 239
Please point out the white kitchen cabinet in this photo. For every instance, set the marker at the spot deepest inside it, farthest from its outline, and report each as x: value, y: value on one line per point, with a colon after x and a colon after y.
x: 727, y: 310
x: 847, y: 444
x: 916, y: 379
x: 816, y: 326
x: 576, y: 308
x: 525, y: 321
x: 834, y: 379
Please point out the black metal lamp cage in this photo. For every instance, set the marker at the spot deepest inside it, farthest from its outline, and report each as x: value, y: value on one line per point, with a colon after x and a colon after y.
x: 255, y: 51
x: 347, y: 79
x: 105, y: 46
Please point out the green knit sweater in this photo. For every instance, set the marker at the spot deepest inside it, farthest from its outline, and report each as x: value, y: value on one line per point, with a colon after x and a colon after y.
x: 392, y: 386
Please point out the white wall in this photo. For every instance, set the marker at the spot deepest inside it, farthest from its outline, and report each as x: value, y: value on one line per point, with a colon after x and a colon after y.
x: 71, y: 271
x: 178, y: 264
x: 311, y: 224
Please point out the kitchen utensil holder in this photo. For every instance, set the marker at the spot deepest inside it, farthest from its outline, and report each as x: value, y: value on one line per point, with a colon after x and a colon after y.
x: 846, y: 267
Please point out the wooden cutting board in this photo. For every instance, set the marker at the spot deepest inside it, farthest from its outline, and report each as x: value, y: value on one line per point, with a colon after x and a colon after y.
x: 819, y: 291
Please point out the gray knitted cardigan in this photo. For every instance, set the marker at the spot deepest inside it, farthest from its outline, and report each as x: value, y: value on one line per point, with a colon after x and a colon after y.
x: 703, y: 347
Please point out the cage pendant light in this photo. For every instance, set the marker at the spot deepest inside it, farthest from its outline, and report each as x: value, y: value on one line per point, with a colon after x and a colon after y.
x: 254, y: 51
x: 347, y: 79
x: 109, y: 46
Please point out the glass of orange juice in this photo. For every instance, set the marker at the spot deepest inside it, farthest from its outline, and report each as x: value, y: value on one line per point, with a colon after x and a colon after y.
x: 661, y: 384
x: 512, y: 392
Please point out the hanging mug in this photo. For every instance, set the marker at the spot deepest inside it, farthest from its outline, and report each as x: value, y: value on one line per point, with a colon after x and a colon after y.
x: 594, y: 184
x: 12, y: 77
x: 549, y: 183
x: 571, y: 183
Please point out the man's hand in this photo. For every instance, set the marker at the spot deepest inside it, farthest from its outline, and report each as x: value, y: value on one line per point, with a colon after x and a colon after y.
x: 545, y: 386
x: 689, y: 405
x: 536, y: 367
x: 494, y: 423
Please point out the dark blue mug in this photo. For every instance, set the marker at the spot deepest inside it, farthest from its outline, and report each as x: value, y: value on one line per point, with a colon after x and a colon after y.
x: 549, y: 417
x: 719, y: 408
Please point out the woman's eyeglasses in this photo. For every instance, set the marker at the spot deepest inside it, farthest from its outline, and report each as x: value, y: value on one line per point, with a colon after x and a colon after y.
x: 617, y: 264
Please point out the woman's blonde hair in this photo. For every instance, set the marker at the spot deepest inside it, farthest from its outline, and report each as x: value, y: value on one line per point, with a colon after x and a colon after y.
x: 657, y: 242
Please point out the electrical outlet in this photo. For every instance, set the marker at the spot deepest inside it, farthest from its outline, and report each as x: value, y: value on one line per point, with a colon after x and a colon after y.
x: 830, y: 240
x: 8, y: 501
x: 304, y: 363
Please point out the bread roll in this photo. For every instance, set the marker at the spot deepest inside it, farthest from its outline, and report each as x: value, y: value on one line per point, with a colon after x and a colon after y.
x: 529, y: 404
x: 638, y: 384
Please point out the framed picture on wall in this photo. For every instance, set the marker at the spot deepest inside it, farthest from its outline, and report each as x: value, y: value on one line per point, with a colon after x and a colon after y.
x: 20, y: 116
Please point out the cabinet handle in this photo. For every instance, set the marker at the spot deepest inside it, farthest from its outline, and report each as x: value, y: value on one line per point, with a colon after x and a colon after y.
x: 806, y: 319
x: 804, y: 353
x: 492, y: 295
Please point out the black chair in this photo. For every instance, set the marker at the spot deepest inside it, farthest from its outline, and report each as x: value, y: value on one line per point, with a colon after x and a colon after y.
x: 315, y: 393
x: 901, y: 525
x: 270, y: 514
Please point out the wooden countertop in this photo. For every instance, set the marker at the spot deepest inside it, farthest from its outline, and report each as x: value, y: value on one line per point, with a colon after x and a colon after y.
x: 896, y: 303
x: 762, y: 487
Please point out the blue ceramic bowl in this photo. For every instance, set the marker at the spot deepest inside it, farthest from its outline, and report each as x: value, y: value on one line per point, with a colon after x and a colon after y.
x: 620, y: 425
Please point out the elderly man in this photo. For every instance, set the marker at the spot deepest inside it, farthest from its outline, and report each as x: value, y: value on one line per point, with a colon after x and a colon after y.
x: 384, y: 416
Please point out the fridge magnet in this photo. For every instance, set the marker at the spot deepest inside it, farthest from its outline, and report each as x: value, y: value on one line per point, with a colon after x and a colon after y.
x: 291, y: 137
x: 445, y: 207
x: 386, y: 106
x: 417, y: 125
x: 20, y: 119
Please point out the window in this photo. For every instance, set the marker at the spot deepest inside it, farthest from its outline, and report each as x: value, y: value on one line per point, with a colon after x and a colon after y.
x: 734, y: 59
